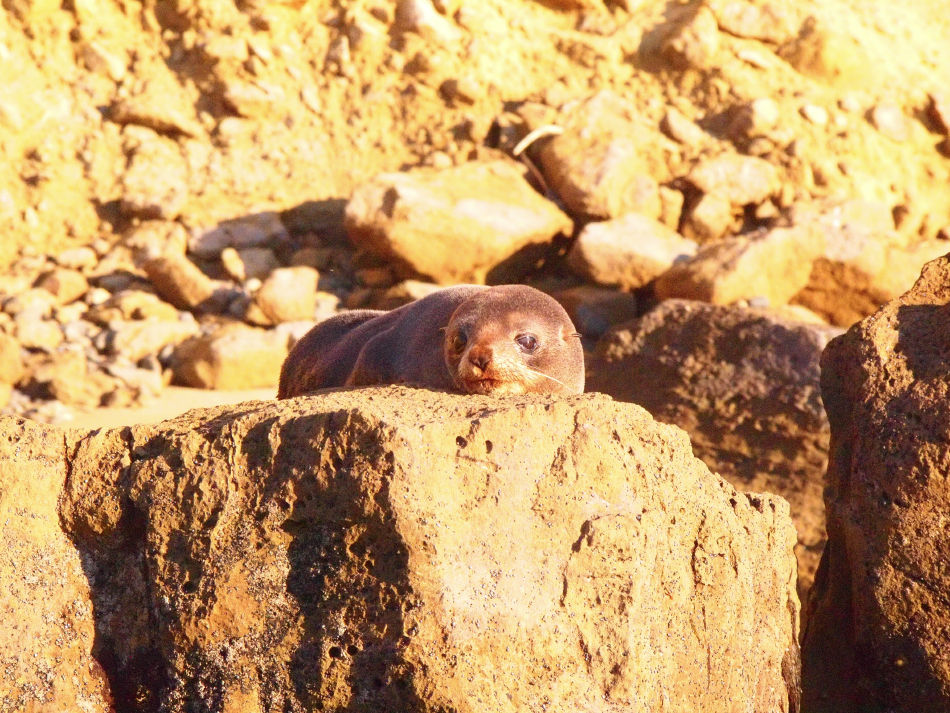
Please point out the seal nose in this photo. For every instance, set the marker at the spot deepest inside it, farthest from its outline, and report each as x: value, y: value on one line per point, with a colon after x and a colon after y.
x: 480, y: 356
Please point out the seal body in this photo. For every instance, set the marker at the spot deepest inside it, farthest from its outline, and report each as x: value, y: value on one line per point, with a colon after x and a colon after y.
x: 507, y: 339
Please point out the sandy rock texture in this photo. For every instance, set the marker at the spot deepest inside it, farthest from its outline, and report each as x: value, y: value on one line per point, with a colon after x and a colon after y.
x: 392, y: 549
x: 877, y: 637
x: 744, y: 383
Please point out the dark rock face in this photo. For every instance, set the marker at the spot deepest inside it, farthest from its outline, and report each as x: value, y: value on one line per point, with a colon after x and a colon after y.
x: 878, y: 635
x: 744, y: 384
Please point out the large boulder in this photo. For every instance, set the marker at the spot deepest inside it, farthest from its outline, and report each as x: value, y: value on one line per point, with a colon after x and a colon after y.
x: 744, y: 383
x: 461, y: 224
x: 397, y: 550
x: 879, y: 631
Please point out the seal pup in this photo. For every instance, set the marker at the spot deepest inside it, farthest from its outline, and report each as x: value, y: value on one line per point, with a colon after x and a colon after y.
x: 508, y: 339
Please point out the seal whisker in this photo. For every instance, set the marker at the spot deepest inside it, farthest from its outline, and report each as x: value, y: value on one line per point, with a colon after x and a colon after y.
x: 546, y: 376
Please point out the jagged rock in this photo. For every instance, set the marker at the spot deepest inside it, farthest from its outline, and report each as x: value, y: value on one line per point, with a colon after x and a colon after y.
x: 741, y: 180
x: 155, y: 183
x: 629, y: 251
x: 877, y: 636
x: 154, y: 238
x: 709, y: 219
x: 827, y: 54
x: 606, y: 162
x: 744, y: 383
x: 289, y: 294
x: 157, y: 103
x: 393, y: 550
x: 232, y: 357
x: 864, y: 263
x: 774, y: 264
x: 461, y: 224
x: 594, y: 310
x: 179, y: 281
x: 769, y: 22
x: 64, y: 284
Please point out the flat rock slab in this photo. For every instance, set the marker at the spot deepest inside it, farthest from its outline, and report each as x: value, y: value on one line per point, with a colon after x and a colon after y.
x: 393, y: 550
x: 454, y: 225
x: 878, y: 635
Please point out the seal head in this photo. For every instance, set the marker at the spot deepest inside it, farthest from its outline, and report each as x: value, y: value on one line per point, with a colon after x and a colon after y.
x: 513, y: 339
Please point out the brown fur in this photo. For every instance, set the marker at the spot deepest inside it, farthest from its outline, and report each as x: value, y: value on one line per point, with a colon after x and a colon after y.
x: 413, y: 345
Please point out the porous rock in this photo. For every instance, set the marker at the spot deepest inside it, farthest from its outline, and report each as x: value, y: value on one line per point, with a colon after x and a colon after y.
x: 774, y: 264
x: 629, y: 251
x: 454, y: 225
x: 399, y: 550
x: 744, y: 384
x: 877, y: 637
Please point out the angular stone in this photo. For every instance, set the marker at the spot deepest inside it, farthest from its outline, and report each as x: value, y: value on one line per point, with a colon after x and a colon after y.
x: 232, y: 357
x: 154, y: 238
x: 741, y: 180
x: 179, y: 281
x: 774, y: 264
x: 11, y: 361
x: 132, y: 305
x: 157, y: 103
x: 629, y: 251
x: 289, y: 294
x: 155, y: 183
x: 693, y: 42
x: 607, y: 162
x: 139, y: 339
x: 35, y: 333
x: 828, y: 54
x: 81, y: 258
x: 64, y: 284
x: 710, y: 218
x: 877, y: 635
x: 249, y: 231
x: 769, y: 22
x: 249, y: 263
x: 454, y: 225
x: 681, y: 129
x: 333, y: 543
x: 890, y: 121
x: 744, y: 384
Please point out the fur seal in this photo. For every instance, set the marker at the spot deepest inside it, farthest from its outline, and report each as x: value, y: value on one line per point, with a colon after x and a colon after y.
x: 508, y: 339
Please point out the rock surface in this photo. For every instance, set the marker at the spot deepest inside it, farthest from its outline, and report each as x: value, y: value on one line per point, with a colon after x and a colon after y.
x: 877, y: 637
x: 392, y: 550
x: 232, y: 357
x: 453, y: 225
x: 744, y: 384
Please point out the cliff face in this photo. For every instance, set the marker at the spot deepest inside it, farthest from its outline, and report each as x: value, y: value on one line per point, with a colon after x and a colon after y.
x: 391, y: 549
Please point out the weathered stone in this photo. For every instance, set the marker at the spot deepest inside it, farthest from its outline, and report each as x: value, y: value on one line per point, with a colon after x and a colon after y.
x: 155, y: 183
x: 157, y: 104
x: 340, y: 551
x: 864, y: 263
x: 154, y: 238
x: 629, y: 251
x: 400, y: 294
x: 248, y: 231
x: 138, y: 339
x: 11, y: 361
x: 35, y: 302
x: 179, y: 281
x: 877, y: 635
x: 421, y: 17
x: 607, y: 162
x: 454, y: 225
x: 741, y: 180
x: 769, y: 22
x: 289, y: 294
x: 693, y: 42
x: 709, y: 219
x: 774, y: 264
x: 47, y: 608
x: 754, y: 118
x: 681, y: 129
x: 81, y: 258
x: 594, y: 310
x: 744, y: 383
x: 829, y: 55
x: 232, y: 357
x: 64, y: 284
x: 249, y: 263
x: 36, y: 333
x: 132, y: 305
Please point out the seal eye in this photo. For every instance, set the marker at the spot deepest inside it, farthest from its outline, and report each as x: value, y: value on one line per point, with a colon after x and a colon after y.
x: 527, y: 342
x: 459, y: 341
